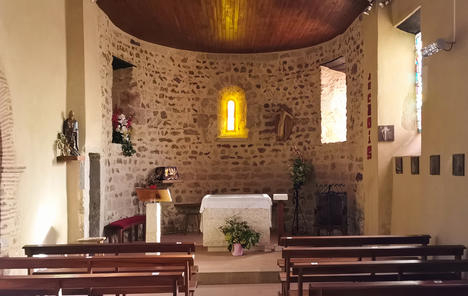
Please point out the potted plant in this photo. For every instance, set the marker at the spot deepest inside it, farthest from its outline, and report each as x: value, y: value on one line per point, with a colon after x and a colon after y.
x: 301, y: 172
x: 239, y: 235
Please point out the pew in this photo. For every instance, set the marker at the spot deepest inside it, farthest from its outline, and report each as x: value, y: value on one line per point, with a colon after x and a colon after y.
x: 120, y: 248
x: 353, y: 240
x: 157, y: 282
x: 104, y: 264
x: 403, y: 288
x: 392, y: 270
x: 117, y: 228
x: 298, y: 254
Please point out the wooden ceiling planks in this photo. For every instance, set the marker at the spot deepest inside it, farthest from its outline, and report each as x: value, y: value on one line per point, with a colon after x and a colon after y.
x: 233, y: 26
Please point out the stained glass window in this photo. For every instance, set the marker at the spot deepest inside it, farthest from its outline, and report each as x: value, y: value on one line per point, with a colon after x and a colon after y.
x: 418, y: 43
x: 232, y: 113
x: 231, y: 108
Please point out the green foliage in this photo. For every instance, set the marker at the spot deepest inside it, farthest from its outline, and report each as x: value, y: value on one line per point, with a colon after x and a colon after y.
x: 127, y: 148
x: 239, y: 232
x: 300, y: 171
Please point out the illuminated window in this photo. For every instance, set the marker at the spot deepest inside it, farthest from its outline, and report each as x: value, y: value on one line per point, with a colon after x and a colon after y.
x: 231, y: 108
x: 333, y: 105
x: 418, y: 44
x: 232, y: 113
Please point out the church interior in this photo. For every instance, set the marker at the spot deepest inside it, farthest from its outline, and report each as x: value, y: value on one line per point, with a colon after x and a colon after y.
x: 208, y: 147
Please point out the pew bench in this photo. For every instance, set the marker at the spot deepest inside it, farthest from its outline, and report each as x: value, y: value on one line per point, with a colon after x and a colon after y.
x: 58, y: 265
x: 402, y: 288
x: 130, y: 224
x: 397, y: 270
x: 119, y: 248
x: 353, y: 240
x: 159, y: 282
x: 294, y: 255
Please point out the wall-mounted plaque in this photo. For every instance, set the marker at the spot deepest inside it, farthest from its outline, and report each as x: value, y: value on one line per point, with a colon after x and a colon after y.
x: 458, y: 165
x: 399, y: 165
x: 434, y: 163
x: 386, y: 133
x: 415, y: 165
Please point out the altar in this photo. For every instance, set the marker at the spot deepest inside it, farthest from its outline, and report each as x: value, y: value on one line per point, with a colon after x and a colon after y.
x: 215, y: 209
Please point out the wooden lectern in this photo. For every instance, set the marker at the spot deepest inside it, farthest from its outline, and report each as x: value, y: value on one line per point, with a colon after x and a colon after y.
x: 152, y: 199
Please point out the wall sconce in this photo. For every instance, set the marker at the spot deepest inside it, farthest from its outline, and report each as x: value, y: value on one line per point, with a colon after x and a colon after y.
x: 442, y: 44
x: 381, y: 3
x: 437, y: 46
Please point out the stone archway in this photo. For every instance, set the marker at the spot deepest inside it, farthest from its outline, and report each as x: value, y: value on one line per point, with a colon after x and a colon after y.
x: 9, y: 174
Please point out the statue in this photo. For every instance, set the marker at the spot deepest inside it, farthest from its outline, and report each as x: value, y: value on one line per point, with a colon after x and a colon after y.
x: 70, y: 130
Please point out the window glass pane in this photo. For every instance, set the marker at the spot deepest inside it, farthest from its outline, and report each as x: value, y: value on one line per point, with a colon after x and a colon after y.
x: 333, y: 105
x: 231, y: 111
x: 418, y: 43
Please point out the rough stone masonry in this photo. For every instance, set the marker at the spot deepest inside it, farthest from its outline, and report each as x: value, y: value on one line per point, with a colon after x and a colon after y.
x: 174, y: 96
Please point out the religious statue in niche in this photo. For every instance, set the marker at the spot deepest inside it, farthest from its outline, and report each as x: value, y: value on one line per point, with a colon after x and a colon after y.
x: 284, y: 123
x: 70, y: 133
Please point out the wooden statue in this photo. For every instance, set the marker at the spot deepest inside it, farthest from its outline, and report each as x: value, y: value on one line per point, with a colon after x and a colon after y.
x: 70, y: 130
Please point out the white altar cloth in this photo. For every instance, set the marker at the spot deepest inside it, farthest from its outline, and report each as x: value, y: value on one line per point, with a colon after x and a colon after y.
x: 215, y: 209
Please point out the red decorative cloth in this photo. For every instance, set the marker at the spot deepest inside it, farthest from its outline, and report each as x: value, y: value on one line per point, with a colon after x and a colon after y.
x: 127, y: 222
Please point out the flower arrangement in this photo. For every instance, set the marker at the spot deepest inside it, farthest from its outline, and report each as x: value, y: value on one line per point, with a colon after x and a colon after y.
x: 239, y: 232
x: 121, y: 132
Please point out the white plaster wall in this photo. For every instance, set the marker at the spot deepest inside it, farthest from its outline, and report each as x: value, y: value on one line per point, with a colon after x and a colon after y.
x: 33, y: 53
x: 396, y: 106
x: 441, y: 207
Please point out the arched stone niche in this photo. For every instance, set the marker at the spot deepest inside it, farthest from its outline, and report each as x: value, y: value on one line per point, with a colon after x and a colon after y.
x: 10, y: 174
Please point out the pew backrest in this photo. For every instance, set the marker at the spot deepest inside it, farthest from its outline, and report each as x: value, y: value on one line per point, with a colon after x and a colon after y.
x: 400, y: 288
x: 354, y: 240
x: 378, y: 270
x: 69, y: 249
x: 89, y: 281
x: 372, y: 252
x: 88, y: 264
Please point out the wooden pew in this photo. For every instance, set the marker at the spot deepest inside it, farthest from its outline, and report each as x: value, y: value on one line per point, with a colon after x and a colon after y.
x: 158, y: 282
x: 297, y: 254
x: 395, y: 270
x: 353, y: 240
x: 68, y: 249
x: 105, y: 264
x: 403, y: 288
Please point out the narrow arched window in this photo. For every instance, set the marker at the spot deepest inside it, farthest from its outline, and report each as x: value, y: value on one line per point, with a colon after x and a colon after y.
x: 232, y: 114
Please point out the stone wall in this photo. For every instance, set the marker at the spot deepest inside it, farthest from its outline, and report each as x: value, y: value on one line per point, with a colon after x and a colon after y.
x: 175, y: 99
x: 9, y: 175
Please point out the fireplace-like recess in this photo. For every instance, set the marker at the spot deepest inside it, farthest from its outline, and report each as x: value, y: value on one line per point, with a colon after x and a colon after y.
x: 331, y: 212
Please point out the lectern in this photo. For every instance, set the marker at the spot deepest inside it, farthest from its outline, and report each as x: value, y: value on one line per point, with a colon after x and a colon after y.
x: 152, y: 199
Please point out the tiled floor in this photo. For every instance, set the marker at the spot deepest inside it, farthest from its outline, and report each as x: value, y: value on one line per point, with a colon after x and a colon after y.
x: 234, y: 290
x: 254, y: 267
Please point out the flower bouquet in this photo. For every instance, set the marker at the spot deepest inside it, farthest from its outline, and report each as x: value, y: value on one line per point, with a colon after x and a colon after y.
x: 121, y: 132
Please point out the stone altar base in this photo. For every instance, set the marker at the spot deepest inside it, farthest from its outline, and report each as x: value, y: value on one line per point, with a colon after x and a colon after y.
x: 212, y: 219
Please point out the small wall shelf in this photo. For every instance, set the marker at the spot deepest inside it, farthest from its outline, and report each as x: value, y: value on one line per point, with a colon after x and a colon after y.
x: 63, y: 158
x: 171, y: 181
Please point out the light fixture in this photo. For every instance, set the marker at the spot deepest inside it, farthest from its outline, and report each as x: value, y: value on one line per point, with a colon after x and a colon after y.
x: 442, y: 44
x: 437, y: 46
x: 381, y: 3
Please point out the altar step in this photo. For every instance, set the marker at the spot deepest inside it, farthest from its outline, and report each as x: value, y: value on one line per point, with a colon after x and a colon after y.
x: 238, y: 277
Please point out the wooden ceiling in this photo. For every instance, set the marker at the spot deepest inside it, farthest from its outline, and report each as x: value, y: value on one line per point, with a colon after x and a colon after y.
x: 233, y: 26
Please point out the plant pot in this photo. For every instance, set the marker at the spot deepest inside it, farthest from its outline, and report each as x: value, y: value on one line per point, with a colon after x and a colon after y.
x: 237, y: 250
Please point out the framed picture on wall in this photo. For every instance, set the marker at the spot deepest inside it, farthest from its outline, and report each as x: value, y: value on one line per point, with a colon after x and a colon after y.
x: 386, y: 133
x: 458, y: 165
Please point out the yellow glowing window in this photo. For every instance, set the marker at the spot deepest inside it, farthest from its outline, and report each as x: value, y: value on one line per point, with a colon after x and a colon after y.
x: 231, y: 106
x: 232, y: 114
